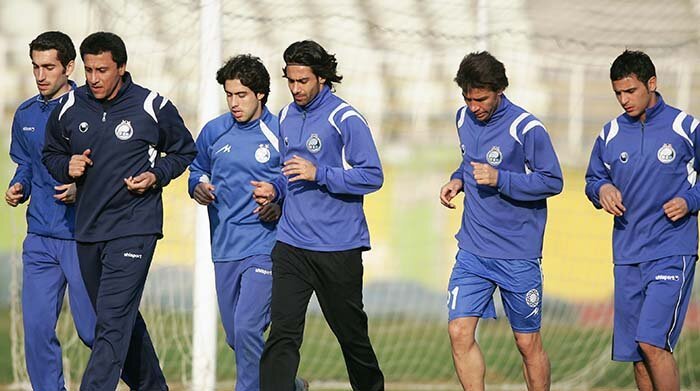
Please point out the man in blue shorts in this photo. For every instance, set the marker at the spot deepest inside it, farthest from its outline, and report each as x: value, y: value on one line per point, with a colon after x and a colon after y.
x: 508, y: 169
x: 49, y: 255
x: 643, y: 171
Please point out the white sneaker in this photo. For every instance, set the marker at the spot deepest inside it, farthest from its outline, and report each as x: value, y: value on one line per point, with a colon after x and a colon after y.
x: 301, y: 384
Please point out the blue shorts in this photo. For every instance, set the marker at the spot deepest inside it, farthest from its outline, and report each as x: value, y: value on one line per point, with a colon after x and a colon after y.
x: 651, y: 300
x: 475, y: 278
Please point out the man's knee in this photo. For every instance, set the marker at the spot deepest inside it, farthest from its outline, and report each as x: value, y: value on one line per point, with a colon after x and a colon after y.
x: 528, y: 344
x: 462, y: 332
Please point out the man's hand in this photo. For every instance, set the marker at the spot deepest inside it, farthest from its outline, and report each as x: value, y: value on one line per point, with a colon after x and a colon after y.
x: 14, y: 194
x: 269, y: 213
x: 611, y: 200
x: 676, y: 209
x: 449, y: 191
x: 79, y: 163
x: 204, y: 193
x: 263, y: 193
x: 484, y: 174
x: 140, y: 183
x: 298, y: 169
x: 67, y: 193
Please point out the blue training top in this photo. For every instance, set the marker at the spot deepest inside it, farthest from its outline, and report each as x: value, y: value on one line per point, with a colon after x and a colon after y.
x: 507, y: 221
x: 229, y: 156
x: 327, y: 214
x: 650, y: 163
x: 46, y: 216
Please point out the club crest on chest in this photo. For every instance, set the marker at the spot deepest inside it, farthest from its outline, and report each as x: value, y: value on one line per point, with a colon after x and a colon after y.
x: 124, y: 131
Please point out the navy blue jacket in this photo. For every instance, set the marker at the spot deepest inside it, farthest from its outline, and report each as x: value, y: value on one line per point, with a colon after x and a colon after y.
x: 46, y: 216
x: 126, y: 136
x: 650, y: 163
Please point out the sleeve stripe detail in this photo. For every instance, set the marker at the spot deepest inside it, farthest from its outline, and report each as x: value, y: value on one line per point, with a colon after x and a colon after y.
x: 148, y: 105
x: 270, y: 136
x: 678, y: 127
x: 341, y: 106
x: 163, y: 103
x: 533, y: 124
x: 514, y: 126
x: 351, y: 113
x: 69, y: 103
x: 283, y: 114
x: 614, y: 128
x: 462, y: 117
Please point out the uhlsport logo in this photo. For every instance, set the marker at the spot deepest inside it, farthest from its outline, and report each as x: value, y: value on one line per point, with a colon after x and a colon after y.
x: 313, y: 144
x: 532, y: 298
x: 124, y: 131
x: 494, y: 156
x: 262, y: 154
x: 624, y: 157
x: 83, y: 127
x: 666, y: 154
x: 666, y: 277
x: 132, y: 255
x: 27, y: 128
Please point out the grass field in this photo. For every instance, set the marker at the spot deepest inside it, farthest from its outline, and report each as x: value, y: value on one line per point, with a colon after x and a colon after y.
x: 416, y: 353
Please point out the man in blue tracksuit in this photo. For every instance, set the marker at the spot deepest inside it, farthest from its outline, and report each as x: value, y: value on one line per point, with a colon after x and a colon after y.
x: 330, y: 163
x: 643, y: 171
x: 508, y: 170
x: 108, y: 137
x: 232, y: 150
x: 49, y: 257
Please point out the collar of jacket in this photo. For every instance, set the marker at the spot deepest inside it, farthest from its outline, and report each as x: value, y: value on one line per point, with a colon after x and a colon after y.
x: 126, y: 83
x: 55, y: 101
x: 652, y: 112
x: 501, y: 110
x: 318, y: 101
x: 264, y: 116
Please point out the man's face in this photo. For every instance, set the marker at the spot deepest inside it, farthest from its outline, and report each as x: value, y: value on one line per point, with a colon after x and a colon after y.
x: 634, y: 96
x: 102, y: 74
x: 50, y: 75
x: 245, y: 105
x: 303, y: 83
x: 482, y: 102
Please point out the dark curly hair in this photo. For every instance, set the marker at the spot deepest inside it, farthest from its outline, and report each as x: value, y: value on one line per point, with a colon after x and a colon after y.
x: 310, y: 53
x: 54, y: 40
x: 249, y: 70
x: 632, y: 62
x: 481, y: 70
x: 102, y: 42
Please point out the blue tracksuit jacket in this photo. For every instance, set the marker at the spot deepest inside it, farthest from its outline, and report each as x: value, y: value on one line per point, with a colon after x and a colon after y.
x: 127, y: 136
x: 327, y: 214
x: 650, y: 163
x: 46, y: 216
x: 229, y: 156
x: 507, y: 221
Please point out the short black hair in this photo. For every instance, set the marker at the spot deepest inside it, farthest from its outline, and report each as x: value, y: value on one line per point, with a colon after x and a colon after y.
x: 632, y: 62
x: 481, y: 70
x: 54, y: 40
x: 102, y: 42
x: 250, y: 70
x: 309, y: 53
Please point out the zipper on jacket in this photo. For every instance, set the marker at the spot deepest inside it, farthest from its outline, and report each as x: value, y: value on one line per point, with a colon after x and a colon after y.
x: 303, y: 121
x: 642, y: 137
x: 104, y: 116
